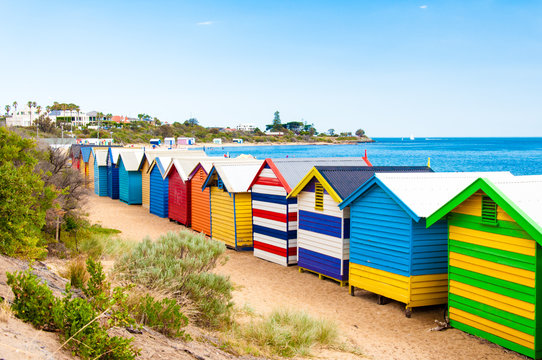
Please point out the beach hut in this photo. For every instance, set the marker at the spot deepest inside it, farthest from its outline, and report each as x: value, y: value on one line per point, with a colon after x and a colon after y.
x: 148, y: 158
x: 75, y: 155
x: 100, y: 172
x: 129, y: 164
x: 86, y: 166
x: 179, y: 195
x: 274, y: 217
x: 323, y: 229
x: 159, y: 186
x: 495, y: 238
x: 231, y: 207
x: 392, y: 254
x: 113, y: 173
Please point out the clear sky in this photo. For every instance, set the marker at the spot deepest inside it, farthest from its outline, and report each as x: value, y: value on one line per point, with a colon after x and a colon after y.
x: 393, y: 68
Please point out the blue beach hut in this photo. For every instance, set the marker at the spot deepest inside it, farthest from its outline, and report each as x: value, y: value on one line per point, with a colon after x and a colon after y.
x: 100, y: 172
x: 323, y: 229
x: 113, y: 173
x: 159, y: 186
x: 392, y: 253
x: 129, y: 164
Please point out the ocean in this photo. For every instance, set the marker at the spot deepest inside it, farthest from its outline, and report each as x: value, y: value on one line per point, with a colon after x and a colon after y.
x: 520, y: 156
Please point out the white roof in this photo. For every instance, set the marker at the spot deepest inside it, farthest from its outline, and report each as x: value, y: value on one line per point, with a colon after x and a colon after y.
x: 131, y: 159
x: 115, y: 152
x: 525, y: 192
x: 164, y: 164
x: 101, y: 157
x: 237, y: 175
x: 209, y: 162
x: 151, y: 154
x: 424, y: 193
x: 183, y: 166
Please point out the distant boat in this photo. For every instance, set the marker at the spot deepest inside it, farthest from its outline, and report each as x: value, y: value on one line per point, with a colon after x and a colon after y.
x: 412, y: 137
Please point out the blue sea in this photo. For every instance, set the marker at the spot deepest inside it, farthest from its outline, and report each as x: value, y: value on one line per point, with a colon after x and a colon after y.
x: 521, y: 156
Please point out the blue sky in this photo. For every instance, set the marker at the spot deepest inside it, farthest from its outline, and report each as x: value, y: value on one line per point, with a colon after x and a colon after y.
x: 393, y: 68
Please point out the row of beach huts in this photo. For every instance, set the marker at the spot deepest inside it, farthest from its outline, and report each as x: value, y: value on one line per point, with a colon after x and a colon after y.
x: 471, y: 240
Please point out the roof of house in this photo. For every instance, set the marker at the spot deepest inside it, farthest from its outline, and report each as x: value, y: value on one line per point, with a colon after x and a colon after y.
x: 115, y: 152
x: 131, y: 159
x: 421, y: 194
x: 519, y: 196
x: 101, y: 157
x: 162, y: 162
x: 85, y: 153
x: 208, y: 163
x: 341, y: 181
x: 183, y: 166
x: 290, y: 171
x: 151, y: 154
x: 235, y: 175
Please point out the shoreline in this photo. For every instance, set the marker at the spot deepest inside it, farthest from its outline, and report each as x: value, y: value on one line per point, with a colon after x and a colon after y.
x: 213, y: 145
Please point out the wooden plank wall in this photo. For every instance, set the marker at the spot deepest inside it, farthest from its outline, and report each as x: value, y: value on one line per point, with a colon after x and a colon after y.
x: 200, y: 207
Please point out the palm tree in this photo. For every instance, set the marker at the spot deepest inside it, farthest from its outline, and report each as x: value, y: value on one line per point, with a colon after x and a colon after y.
x: 7, y: 110
x: 15, y: 107
x: 30, y: 104
x: 38, y: 109
x: 99, y: 117
x: 77, y: 108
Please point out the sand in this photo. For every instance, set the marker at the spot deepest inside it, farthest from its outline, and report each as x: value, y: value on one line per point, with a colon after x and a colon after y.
x: 380, y: 331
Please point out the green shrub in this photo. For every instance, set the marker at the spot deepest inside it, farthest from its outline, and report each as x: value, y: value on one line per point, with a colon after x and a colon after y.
x: 76, y: 272
x: 288, y: 333
x: 180, y: 263
x: 164, y: 316
x: 34, y: 301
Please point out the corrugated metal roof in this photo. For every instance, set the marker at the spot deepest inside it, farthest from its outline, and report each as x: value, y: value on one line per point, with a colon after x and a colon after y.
x: 101, y: 157
x: 183, y: 166
x: 525, y: 192
x: 346, y: 179
x: 131, y: 159
x: 294, y: 169
x: 115, y: 152
x: 237, y: 175
x: 208, y: 163
x: 151, y: 154
x: 426, y: 193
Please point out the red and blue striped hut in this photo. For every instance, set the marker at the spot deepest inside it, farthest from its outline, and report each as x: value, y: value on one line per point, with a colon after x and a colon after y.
x: 323, y: 229
x: 274, y: 217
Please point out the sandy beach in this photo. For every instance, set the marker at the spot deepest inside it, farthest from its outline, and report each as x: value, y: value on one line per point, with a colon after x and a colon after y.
x: 380, y: 331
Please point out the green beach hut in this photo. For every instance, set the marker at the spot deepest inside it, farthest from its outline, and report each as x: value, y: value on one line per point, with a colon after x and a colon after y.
x: 495, y: 261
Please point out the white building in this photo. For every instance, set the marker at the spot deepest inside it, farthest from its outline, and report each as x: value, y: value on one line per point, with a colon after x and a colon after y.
x: 246, y: 127
x: 22, y: 116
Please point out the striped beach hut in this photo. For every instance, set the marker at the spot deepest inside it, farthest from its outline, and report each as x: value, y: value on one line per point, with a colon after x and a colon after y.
x: 231, y: 207
x: 179, y: 195
x: 274, y: 217
x: 129, y: 164
x: 100, y: 172
x: 159, y: 186
x: 495, y: 254
x: 392, y: 254
x: 113, y: 173
x: 148, y: 158
x: 85, y: 164
x: 323, y: 229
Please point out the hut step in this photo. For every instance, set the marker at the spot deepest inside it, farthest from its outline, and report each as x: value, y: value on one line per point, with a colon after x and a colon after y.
x: 322, y: 276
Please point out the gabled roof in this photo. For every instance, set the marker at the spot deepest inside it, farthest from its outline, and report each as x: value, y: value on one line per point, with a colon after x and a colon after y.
x: 101, y: 157
x: 162, y: 162
x: 114, y: 154
x: 131, y: 159
x: 420, y: 194
x: 236, y: 175
x: 151, y: 154
x: 183, y: 166
x: 341, y: 181
x: 290, y: 171
x: 85, y: 153
x: 519, y: 196
x: 208, y: 163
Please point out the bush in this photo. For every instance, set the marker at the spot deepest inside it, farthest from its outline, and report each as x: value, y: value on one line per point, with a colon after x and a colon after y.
x: 288, y: 333
x: 76, y: 272
x: 164, y: 316
x: 76, y: 319
x: 180, y: 263
x: 34, y: 301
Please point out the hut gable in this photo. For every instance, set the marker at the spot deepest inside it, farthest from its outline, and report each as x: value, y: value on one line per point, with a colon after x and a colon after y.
x: 100, y: 172
x: 179, y: 196
x: 159, y: 186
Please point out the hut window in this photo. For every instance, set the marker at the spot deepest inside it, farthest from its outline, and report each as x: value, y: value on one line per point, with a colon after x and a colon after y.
x: 318, y: 196
x: 219, y: 183
x: 489, y: 211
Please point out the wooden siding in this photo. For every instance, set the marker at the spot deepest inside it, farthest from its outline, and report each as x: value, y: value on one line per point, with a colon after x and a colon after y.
x: 90, y: 178
x: 493, y: 279
x: 243, y: 220
x: 158, y: 196
x: 100, y: 180
x: 200, y: 207
x: 179, y: 198
x: 272, y: 214
x: 112, y: 179
x: 393, y: 256
x: 322, y: 247
x: 222, y: 216
x: 129, y: 185
x: 145, y: 184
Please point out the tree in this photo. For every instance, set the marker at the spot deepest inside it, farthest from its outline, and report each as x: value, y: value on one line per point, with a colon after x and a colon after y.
x: 14, y: 107
x: 7, y: 109
x: 331, y: 132
x: 45, y: 124
x: 24, y: 198
x: 276, y: 121
x: 360, y: 132
x: 192, y: 122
